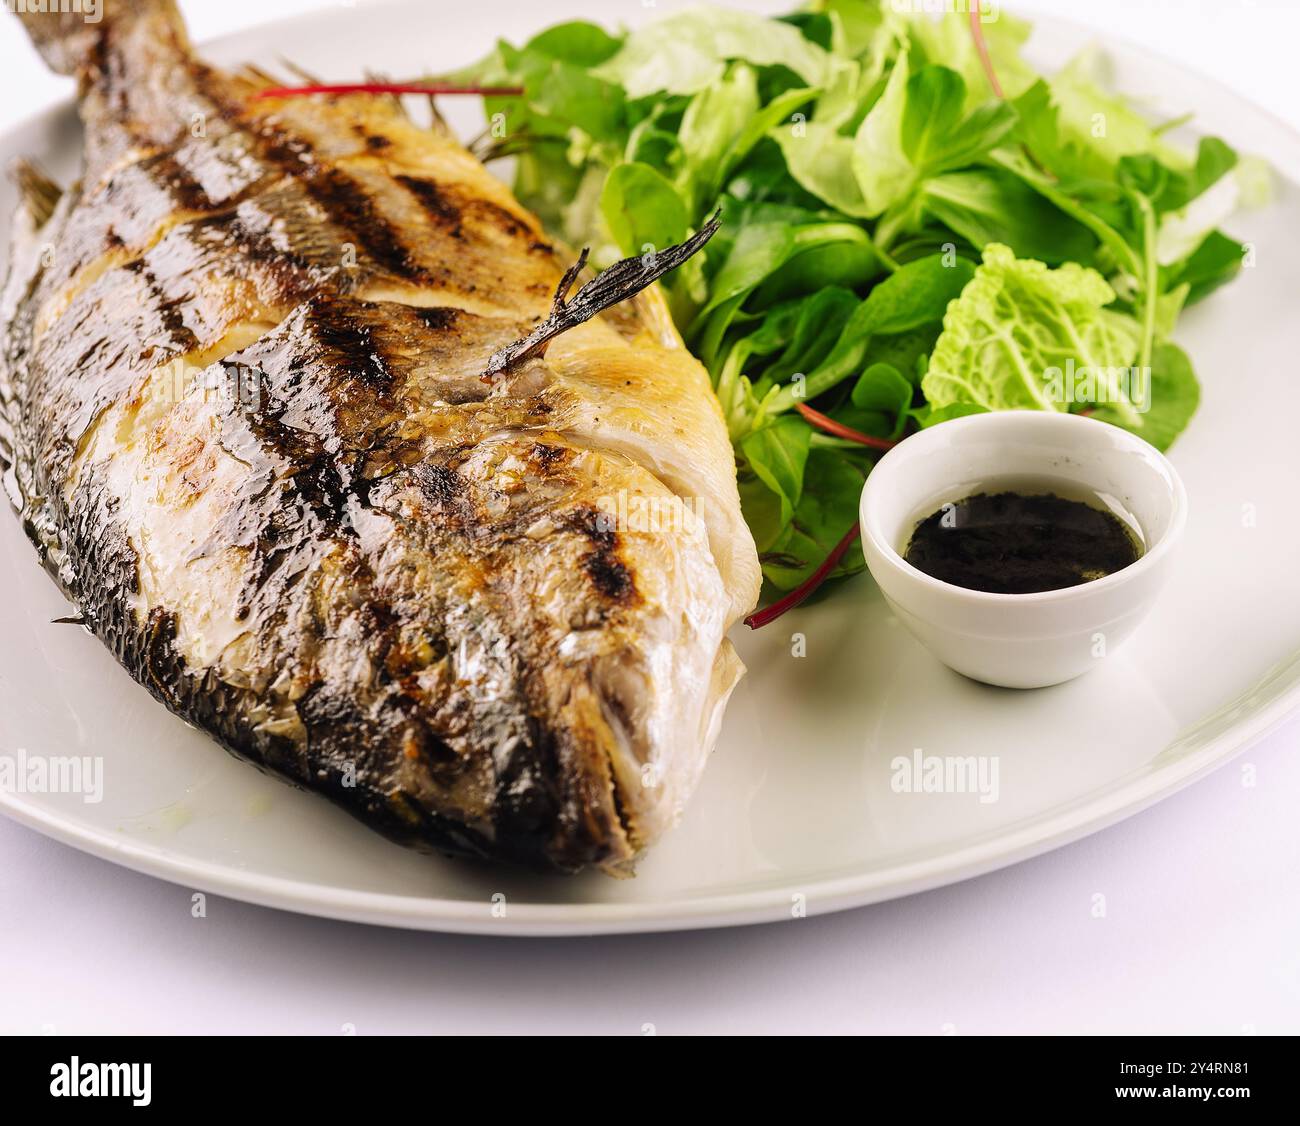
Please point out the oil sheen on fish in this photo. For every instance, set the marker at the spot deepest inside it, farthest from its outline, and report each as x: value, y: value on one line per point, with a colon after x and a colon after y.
x: 245, y: 425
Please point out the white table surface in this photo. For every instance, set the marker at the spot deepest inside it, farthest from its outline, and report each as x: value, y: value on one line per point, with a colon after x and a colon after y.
x: 1201, y: 931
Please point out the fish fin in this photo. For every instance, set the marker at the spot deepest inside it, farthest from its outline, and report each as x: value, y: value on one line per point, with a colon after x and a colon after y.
x: 379, y: 78
x: 301, y: 73
x: 256, y: 76
x: 40, y: 195
x: 72, y: 38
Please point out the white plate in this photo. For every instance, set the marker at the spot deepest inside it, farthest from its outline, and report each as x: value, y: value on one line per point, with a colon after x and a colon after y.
x: 796, y: 811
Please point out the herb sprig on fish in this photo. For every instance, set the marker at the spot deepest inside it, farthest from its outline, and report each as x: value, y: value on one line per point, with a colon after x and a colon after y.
x: 620, y: 282
x: 919, y: 226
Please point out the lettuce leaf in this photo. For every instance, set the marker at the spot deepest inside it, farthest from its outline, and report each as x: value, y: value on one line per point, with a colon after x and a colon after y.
x: 1020, y: 331
x: 688, y: 51
x: 1097, y: 121
x: 948, y: 41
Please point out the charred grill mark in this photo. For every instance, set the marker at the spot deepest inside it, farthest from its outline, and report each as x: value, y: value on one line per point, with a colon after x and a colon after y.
x: 127, y: 211
x: 496, y: 217
x: 314, y: 489
x: 366, y: 728
x: 264, y: 233
x: 608, y: 573
x: 293, y: 506
x: 452, y: 208
x: 348, y: 204
x: 436, y: 201
x: 353, y: 348
x: 171, y: 314
x: 440, y: 484
x: 526, y: 794
x: 432, y: 501
x: 137, y: 198
x: 539, y: 410
x: 294, y: 515
x: 164, y: 172
x: 289, y: 153
x: 451, y: 504
x: 96, y: 354
x: 132, y: 207
x: 550, y: 457
x: 437, y: 318
x: 276, y: 142
x: 344, y: 202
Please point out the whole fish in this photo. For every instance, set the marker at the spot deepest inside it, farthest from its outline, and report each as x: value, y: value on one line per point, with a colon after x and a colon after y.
x: 247, y: 418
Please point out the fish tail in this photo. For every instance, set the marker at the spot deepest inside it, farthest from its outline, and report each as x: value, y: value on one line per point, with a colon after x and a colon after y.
x: 76, y: 37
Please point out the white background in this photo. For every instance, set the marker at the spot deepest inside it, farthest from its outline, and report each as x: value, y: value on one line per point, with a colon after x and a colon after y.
x: 1201, y: 931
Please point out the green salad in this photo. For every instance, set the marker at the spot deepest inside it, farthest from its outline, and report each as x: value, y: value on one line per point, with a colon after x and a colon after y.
x: 916, y: 226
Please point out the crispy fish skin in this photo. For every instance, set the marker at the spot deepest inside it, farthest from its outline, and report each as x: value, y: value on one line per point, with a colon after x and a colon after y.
x: 242, y: 420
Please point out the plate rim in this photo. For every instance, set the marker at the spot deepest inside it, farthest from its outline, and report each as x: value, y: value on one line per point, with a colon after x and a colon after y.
x: 1042, y: 834
x: 1039, y: 834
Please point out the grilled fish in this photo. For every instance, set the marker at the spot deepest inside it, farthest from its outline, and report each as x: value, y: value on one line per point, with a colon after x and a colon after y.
x: 244, y: 418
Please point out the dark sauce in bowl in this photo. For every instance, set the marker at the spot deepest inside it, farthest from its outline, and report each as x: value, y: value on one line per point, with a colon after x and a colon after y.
x: 1021, y: 543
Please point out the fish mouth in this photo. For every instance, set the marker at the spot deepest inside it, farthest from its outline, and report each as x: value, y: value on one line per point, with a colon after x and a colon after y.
x: 623, y: 867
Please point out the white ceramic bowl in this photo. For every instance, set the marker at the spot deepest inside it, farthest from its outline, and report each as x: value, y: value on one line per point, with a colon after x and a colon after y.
x: 1021, y: 640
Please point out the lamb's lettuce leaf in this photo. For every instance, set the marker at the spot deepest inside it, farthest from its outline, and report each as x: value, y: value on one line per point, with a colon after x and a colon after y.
x: 918, y: 129
x: 642, y: 210
x: 820, y: 159
x: 1215, y: 262
x: 879, y: 164
x: 832, y: 485
x: 984, y: 205
x: 777, y: 453
x: 1172, y: 395
x: 914, y: 296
